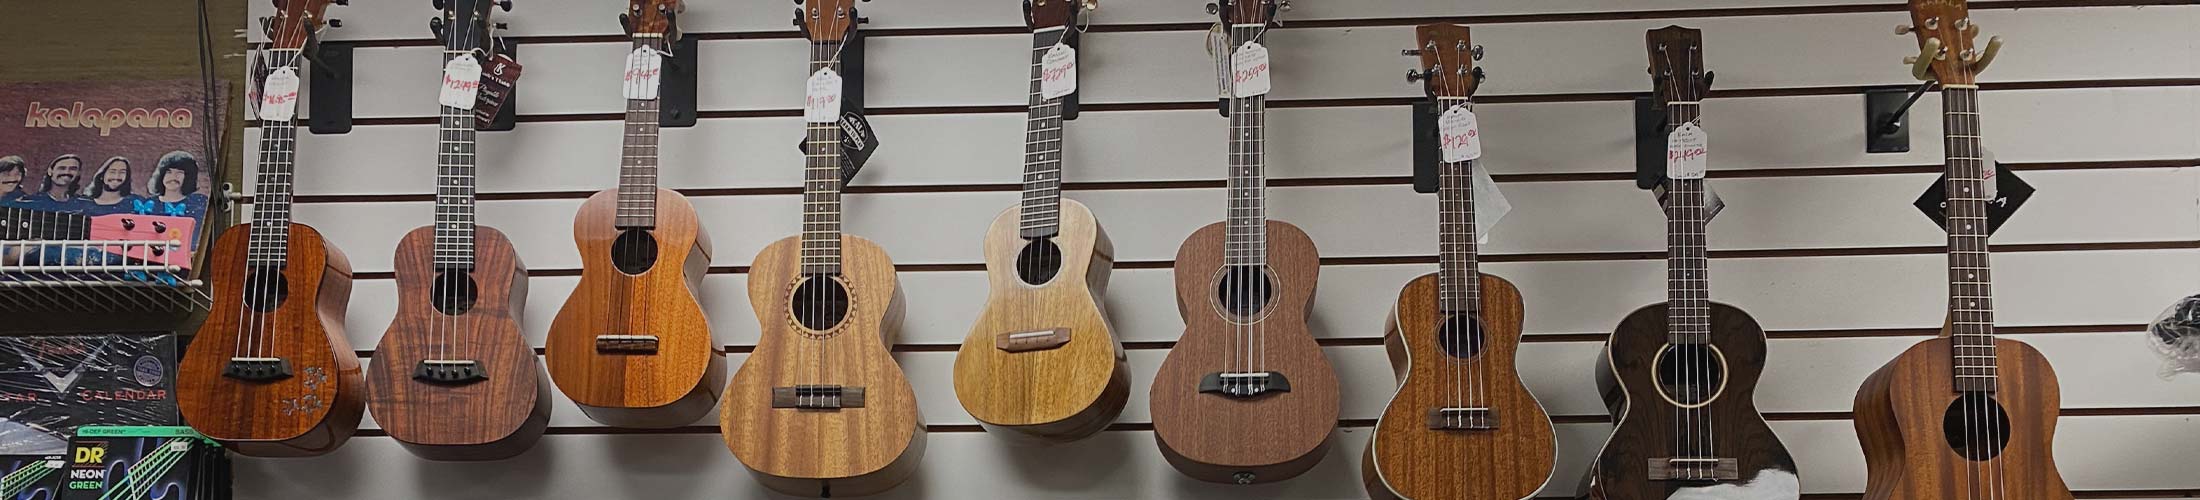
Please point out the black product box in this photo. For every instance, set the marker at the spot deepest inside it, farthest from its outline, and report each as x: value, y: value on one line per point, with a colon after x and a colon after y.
x: 30, y: 477
x: 144, y: 463
x: 52, y: 384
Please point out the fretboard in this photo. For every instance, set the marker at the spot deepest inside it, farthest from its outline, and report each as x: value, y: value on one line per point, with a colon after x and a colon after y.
x: 1687, y: 265
x: 1041, y: 213
x: 821, y: 180
x: 1246, y: 236
x: 20, y: 224
x: 1459, y: 283
x: 638, y: 158
x: 454, y: 187
x: 271, y: 189
x: 1970, y: 276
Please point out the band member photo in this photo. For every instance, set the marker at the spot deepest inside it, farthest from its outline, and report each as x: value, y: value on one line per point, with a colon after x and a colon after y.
x: 12, y: 169
x: 173, y: 189
x: 109, y: 191
x: 58, y: 192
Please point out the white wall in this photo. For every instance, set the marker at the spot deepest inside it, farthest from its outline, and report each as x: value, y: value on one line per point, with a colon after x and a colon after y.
x: 1820, y: 242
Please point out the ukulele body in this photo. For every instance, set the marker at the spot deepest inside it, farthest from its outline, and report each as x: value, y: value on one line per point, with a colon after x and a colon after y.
x: 843, y: 451
x: 1637, y: 371
x: 1904, y: 409
x: 1510, y: 455
x: 448, y: 415
x: 638, y: 282
x: 308, y: 413
x: 1042, y: 361
x: 1268, y: 437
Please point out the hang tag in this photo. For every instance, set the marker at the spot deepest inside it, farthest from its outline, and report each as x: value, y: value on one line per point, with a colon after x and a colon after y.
x: 1711, y: 202
x: 856, y: 144
x: 1249, y: 71
x: 644, y: 66
x: 1058, y: 72
x: 496, y: 88
x: 1461, y: 134
x: 461, y: 82
x: 279, y: 96
x: 2002, y: 200
x: 252, y: 92
x: 1992, y: 180
x: 821, y: 103
x: 1490, y: 204
x: 1687, y: 151
x: 1218, y: 48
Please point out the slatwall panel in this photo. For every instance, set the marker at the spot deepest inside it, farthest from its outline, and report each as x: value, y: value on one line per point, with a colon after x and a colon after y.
x: 1820, y: 243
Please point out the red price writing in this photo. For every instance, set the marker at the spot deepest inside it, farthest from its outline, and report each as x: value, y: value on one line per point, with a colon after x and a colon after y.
x: 460, y: 85
x: 1682, y: 155
x: 1248, y: 74
x: 1461, y: 140
x: 1054, y: 74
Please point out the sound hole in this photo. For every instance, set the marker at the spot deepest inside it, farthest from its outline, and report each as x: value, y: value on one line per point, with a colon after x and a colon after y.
x: 1039, y: 261
x: 1976, y: 426
x: 820, y: 303
x: 453, y: 292
x: 265, y: 288
x: 635, y: 251
x: 1691, y: 375
x: 1244, y: 290
x: 1461, y: 336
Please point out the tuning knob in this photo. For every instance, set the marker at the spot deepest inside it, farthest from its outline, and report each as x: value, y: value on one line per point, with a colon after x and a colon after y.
x: 341, y: 2
x: 1413, y: 76
x: 1284, y: 5
x: 335, y: 23
x: 1479, y: 76
x: 1409, y: 53
x: 1903, y: 29
x: 1213, y: 9
x: 1477, y: 51
x: 1909, y: 59
x: 504, y: 4
x: 502, y: 26
x: 440, y: 4
x: 435, y: 24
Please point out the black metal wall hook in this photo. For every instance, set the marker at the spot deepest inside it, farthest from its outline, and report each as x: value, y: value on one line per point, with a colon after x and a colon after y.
x: 1886, y: 116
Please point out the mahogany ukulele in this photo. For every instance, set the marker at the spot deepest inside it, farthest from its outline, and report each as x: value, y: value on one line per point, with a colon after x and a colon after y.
x: 1462, y: 425
x: 631, y: 345
x: 453, y: 378
x: 1965, y: 415
x: 270, y: 372
x: 1245, y: 396
x: 1042, y: 360
x: 1681, y: 376
x: 820, y: 408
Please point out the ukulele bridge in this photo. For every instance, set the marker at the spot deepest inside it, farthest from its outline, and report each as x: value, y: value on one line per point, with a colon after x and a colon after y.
x: 1037, y: 340
x: 1695, y: 469
x: 1462, y: 419
x: 817, y: 397
x: 626, y: 344
x: 257, y: 369
x: 449, y: 371
x: 1243, y: 385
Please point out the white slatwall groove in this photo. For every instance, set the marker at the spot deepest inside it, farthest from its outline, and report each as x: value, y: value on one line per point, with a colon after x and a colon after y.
x: 1584, y: 246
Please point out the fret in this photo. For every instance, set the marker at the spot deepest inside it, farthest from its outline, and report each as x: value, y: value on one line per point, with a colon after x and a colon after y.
x: 1688, y: 283
x: 269, y: 240
x: 1246, y: 229
x: 1970, y: 287
x: 455, y: 186
x: 1043, y: 143
x: 821, y: 185
x: 1458, y: 275
x: 637, y: 194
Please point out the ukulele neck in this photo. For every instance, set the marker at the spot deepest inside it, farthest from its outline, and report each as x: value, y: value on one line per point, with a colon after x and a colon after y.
x: 1970, y: 288
x: 1459, y: 284
x: 1688, y: 280
x: 637, y: 207
x: 1041, y: 211
x: 269, y: 240
x: 454, y: 186
x: 1246, y: 236
x: 821, y: 185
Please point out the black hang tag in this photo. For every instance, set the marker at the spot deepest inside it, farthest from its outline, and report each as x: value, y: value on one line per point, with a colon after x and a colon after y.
x: 499, y: 79
x: 2010, y: 193
x: 856, y: 144
x: 1428, y: 151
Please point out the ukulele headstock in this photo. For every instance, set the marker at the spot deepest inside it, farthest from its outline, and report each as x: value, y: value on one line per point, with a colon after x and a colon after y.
x: 296, y: 21
x: 465, y: 24
x: 1448, y: 56
x: 1676, y: 65
x: 1042, y: 14
x: 827, y: 20
x: 652, y: 18
x: 1947, y: 42
x: 1243, y: 12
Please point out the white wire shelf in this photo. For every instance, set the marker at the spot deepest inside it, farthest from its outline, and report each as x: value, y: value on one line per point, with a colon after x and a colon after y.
x: 132, y: 276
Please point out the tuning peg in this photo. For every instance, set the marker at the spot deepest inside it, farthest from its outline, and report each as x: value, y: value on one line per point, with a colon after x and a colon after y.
x: 346, y: 3
x: 1213, y: 8
x: 435, y: 24
x: 1413, y: 76
x: 626, y: 23
x: 502, y: 26
x: 1479, y: 76
x: 1284, y: 5
x: 1903, y: 29
x: 1409, y: 53
x: 1477, y: 51
x: 440, y: 4
x: 863, y: 20
x: 504, y: 4
x: 335, y: 23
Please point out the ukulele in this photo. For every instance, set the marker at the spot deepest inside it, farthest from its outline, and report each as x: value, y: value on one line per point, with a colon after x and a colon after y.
x: 153, y: 239
x: 1042, y: 360
x: 453, y: 378
x: 1681, y: 377
x: 1245, y: 396
x: 1965, y: 415
x: 631, y: 345
x: 820, y: 408
x: 1462, y: 424
x: 270, y: 372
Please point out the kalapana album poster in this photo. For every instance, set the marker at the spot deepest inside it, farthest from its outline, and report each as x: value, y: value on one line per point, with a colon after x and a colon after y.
x: 111, y: 148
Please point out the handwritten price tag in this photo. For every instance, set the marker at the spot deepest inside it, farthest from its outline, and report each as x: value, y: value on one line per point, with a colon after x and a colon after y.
x: 823, y: 102
x: 461, y: 82
x: 643, y: 66
x: 1249, y: 71
x: 1687, y: 152
x: 279, y: 96
x: 1461, y: 134
x: 1058, y: 72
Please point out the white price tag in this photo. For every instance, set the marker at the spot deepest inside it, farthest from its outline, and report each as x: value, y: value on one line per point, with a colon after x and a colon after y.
x: 1058, y: 72
x: 823, y: 102
x: 643, y: 66
x: 1249, y: 71
x: 1686, y: 152
x: 1990, y: 176
x: 1461, y: 134
x: 461, y: 82
x: 1490, y: 204
x: 279, y: 95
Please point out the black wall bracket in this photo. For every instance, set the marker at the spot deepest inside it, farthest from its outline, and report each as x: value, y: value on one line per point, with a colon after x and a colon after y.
x: 1649, y: 144
x: 328, y: 92
x: 1886, y: 117
x: 1428, y: 150
x: 676, y: 85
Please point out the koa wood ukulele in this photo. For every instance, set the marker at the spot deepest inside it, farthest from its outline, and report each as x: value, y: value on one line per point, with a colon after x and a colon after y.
x: 820, y: 408
x: 1246, y: 396
x: 1965, y: 415
x: 1042, y: 360
x: 1680, y: 377
x: 631, y: 345
x: 270, y: 372
x: 1462, y: 425
x: 453, y: 378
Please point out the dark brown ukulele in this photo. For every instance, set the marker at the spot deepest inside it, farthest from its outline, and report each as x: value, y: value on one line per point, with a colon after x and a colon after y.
x: 821, y: 408
x: 1462, y: 425
x: 1042, y: 360
x: 1965, y: 415
x: 453, y: 378
x: 270, y: 372
x: 1681, y: 376
x: 1246, y: 396
x: 631, y: 345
